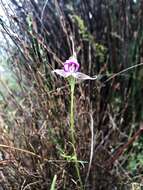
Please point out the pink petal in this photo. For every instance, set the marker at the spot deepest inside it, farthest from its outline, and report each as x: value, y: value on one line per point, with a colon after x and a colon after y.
x: 72, y: 60
x: 61, y: 72
x: 83, y: 76
x: 66, y: 67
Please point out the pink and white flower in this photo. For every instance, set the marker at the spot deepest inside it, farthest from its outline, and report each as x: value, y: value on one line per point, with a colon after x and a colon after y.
x: 71, y: 67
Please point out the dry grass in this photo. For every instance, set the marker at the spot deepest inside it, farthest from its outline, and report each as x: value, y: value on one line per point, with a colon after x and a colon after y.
x: 34, y: 135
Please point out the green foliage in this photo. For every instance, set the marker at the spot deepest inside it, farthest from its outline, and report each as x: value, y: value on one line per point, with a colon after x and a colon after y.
x: 100, y: 49
x: 135, y: 161
x: 82, y: 28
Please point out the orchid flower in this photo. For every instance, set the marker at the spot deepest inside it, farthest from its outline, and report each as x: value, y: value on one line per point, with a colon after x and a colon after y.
x: 71, y: 67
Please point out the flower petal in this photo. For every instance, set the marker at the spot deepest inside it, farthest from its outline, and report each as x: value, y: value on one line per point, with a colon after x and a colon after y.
x: 66, y: 66
x: 74, y: 60
x: 61, y: 72
x: 71, y: 65
x: 82, y: 76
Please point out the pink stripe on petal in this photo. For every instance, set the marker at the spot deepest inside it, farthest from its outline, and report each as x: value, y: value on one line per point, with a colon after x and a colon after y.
x: 66, y: 66
x: 69, y: 63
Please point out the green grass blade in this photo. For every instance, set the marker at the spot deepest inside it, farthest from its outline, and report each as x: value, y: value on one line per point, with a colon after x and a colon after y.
x: 53, y: 183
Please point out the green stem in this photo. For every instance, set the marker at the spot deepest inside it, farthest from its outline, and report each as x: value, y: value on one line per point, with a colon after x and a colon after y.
x: 72, y: 85
x: 72, y: 111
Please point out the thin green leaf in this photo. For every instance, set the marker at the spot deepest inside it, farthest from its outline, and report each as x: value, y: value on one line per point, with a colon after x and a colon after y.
x: 53, y: 183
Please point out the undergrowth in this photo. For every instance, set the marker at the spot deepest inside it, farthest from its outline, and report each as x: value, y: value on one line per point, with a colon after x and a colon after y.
x: 35, y: 142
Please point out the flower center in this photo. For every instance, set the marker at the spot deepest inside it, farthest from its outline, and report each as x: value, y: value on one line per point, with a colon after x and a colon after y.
x: 71, y: 66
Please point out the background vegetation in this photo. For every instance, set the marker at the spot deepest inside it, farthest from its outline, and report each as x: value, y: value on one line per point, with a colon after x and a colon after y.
x: 34, y: 109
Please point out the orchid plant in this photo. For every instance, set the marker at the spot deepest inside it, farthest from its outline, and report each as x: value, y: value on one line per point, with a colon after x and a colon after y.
x: 71, y: 72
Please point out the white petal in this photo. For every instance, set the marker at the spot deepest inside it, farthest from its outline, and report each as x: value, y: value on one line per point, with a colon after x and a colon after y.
x: 61, y: 72
x: 83, y: 76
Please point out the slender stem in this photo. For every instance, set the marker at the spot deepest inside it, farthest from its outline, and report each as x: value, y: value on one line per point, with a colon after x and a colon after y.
x: 72, y: 85
x: 72, y: 112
